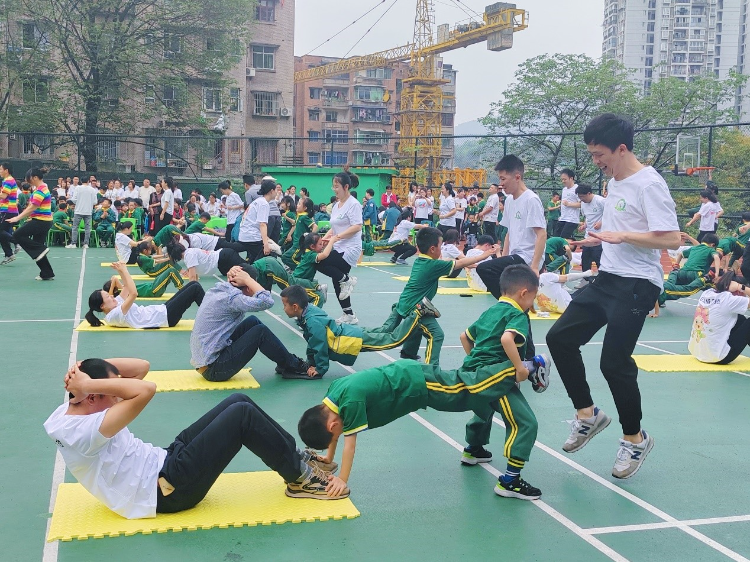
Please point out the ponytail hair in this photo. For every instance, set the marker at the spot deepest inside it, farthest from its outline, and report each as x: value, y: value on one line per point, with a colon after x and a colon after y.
x: 175, y: 250
x: 309, y: 206
x: 449, y: 188
x: 347, y: 180
x: 123, y: 225
x: 706, y: 194
x: 95, y: 305
x: 723, y: 282
x: 309, y: 239
x: 36, y: 173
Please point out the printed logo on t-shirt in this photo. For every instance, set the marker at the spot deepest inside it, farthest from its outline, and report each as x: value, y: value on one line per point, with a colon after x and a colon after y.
x: 518, y: 215
x: 621, y: 205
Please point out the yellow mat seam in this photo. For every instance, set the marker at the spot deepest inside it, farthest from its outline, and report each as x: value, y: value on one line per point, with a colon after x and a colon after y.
x: 190, y: 379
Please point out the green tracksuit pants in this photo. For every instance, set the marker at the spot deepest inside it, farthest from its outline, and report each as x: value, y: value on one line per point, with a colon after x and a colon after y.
x: 556, y: 264
x: 428, y: 327
x: 160, y: 283
x: 271, y: 270
x: 681, y: 283
x: 376, y: 340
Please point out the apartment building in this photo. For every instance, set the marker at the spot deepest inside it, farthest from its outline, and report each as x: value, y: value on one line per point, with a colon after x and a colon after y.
x: 353, y: 118
x: 679, y: 38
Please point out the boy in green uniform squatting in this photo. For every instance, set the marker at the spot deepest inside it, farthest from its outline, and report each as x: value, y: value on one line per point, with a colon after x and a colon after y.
x: 328, y: 340
x: 557, y: 255
x: 486, y: 382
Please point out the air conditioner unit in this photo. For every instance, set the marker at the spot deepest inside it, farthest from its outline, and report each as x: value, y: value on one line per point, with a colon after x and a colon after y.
x: 285, y: 112
x: 208, y: 166
x: 12, y: 136
x: 249, y: 72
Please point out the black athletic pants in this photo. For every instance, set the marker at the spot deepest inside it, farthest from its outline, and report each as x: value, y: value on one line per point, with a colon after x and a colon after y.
x: 6, y: 234
x: 589, y: 255
x: 254, y: 250
x: 739, y: 339
x: 745, y: 268
x: 32, y: 237
x: 491, y: 270
x: 336, y: 267
x: 221, y: 243
x: 274, y: 227
x: 200, y: 454
x: 622, y: 304
x: 249, y: 337
x: 403, y: 251
x: 228, y: 233
x: 176, y: 306
x: 565, y: 229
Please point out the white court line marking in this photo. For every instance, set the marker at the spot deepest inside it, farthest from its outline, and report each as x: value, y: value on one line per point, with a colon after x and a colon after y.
x: 49, y: 554
x: 665, y: 525
x: 53, y: 320
x: 673, y: 353
x: 549, y: 510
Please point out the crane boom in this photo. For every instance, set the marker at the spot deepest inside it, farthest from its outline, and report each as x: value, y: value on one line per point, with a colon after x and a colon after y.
x: 503, y: 22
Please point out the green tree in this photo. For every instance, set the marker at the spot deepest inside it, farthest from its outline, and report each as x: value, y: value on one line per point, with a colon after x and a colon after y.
x: 119, y: 63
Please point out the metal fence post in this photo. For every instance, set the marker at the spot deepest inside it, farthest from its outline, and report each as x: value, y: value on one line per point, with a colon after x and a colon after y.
x: 505, y: 146
x: 710, y: 144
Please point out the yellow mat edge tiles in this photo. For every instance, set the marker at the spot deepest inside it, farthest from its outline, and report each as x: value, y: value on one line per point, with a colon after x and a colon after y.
x: 236, y: 500
x: 182, y: 326
x: 688, y: 364
x: 165, y: 297
x: 109, y: 263
x: 190, y: 379
x: 460, y: 291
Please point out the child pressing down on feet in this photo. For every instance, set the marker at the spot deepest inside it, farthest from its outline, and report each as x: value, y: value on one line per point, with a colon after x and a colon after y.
x: 487, y: 382
x: 328, y: 340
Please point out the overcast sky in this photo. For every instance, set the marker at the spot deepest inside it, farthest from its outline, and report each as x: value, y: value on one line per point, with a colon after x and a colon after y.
x: 555, y: 26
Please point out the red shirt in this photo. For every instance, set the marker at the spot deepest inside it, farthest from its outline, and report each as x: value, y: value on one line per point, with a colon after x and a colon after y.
x: 386, y: 199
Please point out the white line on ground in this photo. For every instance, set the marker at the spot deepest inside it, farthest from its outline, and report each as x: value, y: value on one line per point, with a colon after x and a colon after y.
x: 50, y: 551
x: 666, y: 525
x: 52, y: 320
x: 590, y: 539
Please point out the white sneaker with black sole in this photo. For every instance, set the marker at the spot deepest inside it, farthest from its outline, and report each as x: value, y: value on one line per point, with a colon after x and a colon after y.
x: 583, y: 430
x: 347, y: 319
x: 630, y: 456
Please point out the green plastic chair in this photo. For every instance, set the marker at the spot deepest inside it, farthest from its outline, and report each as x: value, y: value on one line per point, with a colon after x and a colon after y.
x: 324, y: 225
x: 53, y: 232
x: 132, y: 221
x: 93, y: 237
x: 217, y: 222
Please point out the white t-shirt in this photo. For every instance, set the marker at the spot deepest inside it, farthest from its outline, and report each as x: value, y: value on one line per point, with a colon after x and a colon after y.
x: 449, y: 252
x: 402, y: 231
x: 120, y: 471
x: 521, y: 216
x: 552, y: 296
x: 639, y: 203
x: 715, y: 316
x: 569, y: 214
x: 133, y: 194
x: 154, y: 316
x: 256, y: 213
x: 592, y: 212
x: 447, y: 204
x: 493, y: 202
x: 144, y: 193
x: 167, y: 202
x: 422, y: 208
x: 203, y: 241
x: 475, y: 282
x: 212, y: 208
x: 178, y: 194
x: 342, y: 217
x: 122, y: 246
x: 708, y: 212
x: 461, y: 205
x: 205, y: 262
x: 233, y: 200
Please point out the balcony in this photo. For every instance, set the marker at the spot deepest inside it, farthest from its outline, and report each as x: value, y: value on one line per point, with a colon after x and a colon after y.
x: 335, y: 102
x: 335, y: 82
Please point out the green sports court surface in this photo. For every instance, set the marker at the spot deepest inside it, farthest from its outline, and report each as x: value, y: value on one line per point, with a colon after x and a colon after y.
x: 690, y: 501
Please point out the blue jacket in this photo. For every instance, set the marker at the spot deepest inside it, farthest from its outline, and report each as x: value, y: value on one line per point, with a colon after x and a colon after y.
x: 370, y: 212
x: 327, y: 340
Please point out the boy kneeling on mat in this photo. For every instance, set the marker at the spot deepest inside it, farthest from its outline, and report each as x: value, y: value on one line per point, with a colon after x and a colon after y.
x: 328, y: 340
x: 136, y: 479
x: 486, y: 382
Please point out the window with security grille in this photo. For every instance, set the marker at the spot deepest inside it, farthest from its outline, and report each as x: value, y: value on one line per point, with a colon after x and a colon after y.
x: 266, y: 104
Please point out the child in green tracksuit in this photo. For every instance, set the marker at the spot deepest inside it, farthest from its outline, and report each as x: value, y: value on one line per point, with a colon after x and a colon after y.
x: 60, y: 219
x: 743, y: 235
x: 423, y: 283
x: 165, y: 235
x: 328, y: 340
x: 485, y: 383
x: 695, y: 274
x: 155, y: 266
x: 149, y: 289
x: 557, y: 255
x: 272, y: 270
x: 288, y: 219
x: 105, y: 219
x: 303, y: 225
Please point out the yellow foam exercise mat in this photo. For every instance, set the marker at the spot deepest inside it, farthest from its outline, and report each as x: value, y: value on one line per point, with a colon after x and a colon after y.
x: 163, y: 298
x: 235, y: 500
x: 109, y: 263
x: 378, y: 263
x: 552, y: 316
x: 142, y: 277
x: 460, y: 291
x: 406, y: 278
x: 688, y: 363
x: 182, y: 326
x: 190, y: 379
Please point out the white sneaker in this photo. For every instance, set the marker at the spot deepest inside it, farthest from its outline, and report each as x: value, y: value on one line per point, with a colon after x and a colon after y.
x: 347, y: 287
x: 323, y: 288
x: 85, y: 246
x: 630, y: 456
x: 7, y: 260
x: 582, y: 430
x: 71, y: 246
x: 348, y: 319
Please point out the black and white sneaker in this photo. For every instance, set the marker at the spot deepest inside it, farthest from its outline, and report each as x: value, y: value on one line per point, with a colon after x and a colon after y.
x: 426, y: 308
x: 517, y: 488
x: 475, y: 455
x: 298, y: 367
x: 313, y: 487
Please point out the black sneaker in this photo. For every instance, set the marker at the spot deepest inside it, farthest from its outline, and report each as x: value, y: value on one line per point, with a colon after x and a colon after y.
x: 298, y: 366
x: 314, y: 487
x: 393, y: 259
x: 407, y: 356
x: 475, y: 455
x: 517, y: 488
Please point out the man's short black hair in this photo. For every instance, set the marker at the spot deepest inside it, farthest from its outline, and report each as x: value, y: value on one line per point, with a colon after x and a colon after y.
x: 609, y: 130
x: 511, y: 164
x: 485, y: 239
x: 427, y: 238
x: 370, y: 192
x: 312, y: 427
x: 711, y: 238
x: 568, y: 172
x: 584, y: 189
x: 97, y: 369
x: 746, y: 216
x: 517, y: 277
x: 294, y: 294
x: 206, y: 216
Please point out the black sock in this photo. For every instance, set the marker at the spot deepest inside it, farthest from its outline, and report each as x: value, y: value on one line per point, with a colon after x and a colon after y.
x: 348, y: 310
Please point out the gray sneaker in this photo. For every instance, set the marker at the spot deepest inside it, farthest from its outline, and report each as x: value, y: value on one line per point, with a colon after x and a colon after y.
x: 581, y: 431
x: 313, y: 459
x: 313, y: 486
x: 630, y: 456
x: 7, y: 260
x: 400, y: 261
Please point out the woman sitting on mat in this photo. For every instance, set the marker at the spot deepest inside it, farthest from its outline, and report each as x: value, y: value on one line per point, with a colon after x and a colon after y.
x: 138, y: 480
x: 122, y: 312
x: 720, y: 329
x: 204, y: 262
x: 125, y: 246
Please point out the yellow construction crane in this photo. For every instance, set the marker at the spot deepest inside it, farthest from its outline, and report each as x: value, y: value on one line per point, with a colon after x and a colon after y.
x: 422, y: 97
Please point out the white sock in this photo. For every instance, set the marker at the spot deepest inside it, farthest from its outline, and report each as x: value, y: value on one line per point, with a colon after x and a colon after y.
x: 572, y: 276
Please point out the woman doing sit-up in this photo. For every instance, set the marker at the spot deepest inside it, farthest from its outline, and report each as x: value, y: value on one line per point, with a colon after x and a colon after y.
x: 204, y: 262
x: 122, y: 312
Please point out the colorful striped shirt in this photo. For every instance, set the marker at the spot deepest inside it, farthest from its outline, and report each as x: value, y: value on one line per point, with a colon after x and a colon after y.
x: 9, y: 205
x: 42, y: 200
